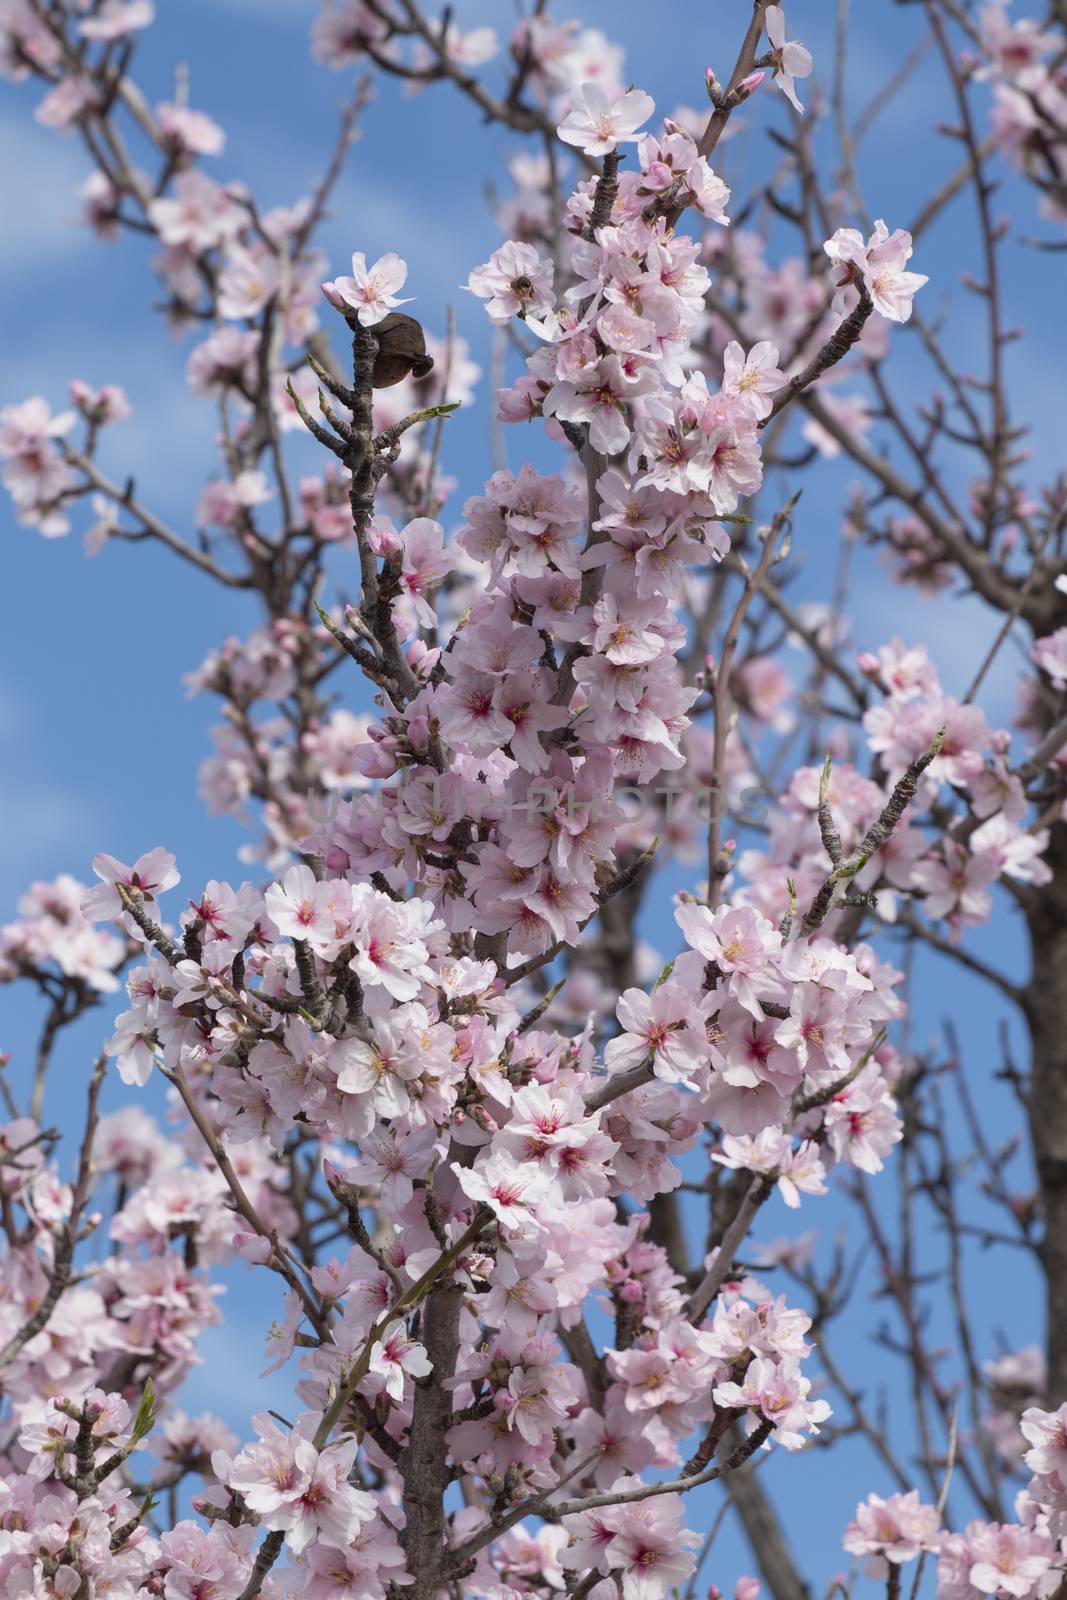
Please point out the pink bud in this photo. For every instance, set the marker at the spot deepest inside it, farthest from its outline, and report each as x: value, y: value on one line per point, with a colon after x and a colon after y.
x: 332, y: 294
x: 252, y: 1248
x: 631, y: 1292
x: 658, y: 176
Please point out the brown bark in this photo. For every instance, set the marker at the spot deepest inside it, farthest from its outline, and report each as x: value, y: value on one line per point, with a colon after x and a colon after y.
x: 1045, y: 1006
x: 763, y: 1529
x: 423, y: 1463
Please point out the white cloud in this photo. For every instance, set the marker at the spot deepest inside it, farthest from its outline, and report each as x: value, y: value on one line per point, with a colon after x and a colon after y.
x: 38, y: 194
x: 49, y: 827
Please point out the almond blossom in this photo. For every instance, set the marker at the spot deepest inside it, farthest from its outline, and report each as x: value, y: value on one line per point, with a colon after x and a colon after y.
x: 515, y: 281
x: 394, y: 1358
x: 512, y: 1192
x: 892, y: 1531
x: 370, y: 291
x: 879, y: 265
x: 779, y: 1392
x: 422, y: 1071
x: 650, y: 1552
x: 151, y: 875
x: 598, y: 124
x: 297, y: 1489
x: 790, y: 60
x: 662, y: 1026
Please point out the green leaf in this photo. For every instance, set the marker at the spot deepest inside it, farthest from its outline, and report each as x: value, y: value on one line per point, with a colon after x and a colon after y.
x: 145, y: 1418
x: 664, y: 975
x: 428, y: 413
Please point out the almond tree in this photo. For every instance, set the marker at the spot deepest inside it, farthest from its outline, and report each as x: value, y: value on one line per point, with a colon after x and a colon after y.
x: 421, y: 1072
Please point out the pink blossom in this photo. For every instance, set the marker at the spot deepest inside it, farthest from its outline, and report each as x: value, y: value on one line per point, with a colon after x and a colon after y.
x: 301, y: 908
x: 515, y: 281
x: 1046, y: 1434
x: 341, y: 32
x: 247, y: 281
x: 1050, y: 654
x: 598, y: 124
x: 754, y: 376
x: 599, y: 397
x: 778, y: 1391
x: 791, y: 60
x: 740, y: 941
x: 880, y: 264
x: 1015, y: 49
x: 511, y: 1191
x: 202, y: 1562
x: 861, y: 1122
x: 650, y: 1552
x: 1005, y: 1559
x: 660, y: 1025
x: 424, y: 563
x: 151, y: 875
x: 892, y: 1531
x: 299, y: 1490
x: 114, y: 19
x: 394, y: 1358
x: 371, y: 293
x: 200, y: 214
x: 956, y: 884
x: 771, y: 1151
x: 193, y: 131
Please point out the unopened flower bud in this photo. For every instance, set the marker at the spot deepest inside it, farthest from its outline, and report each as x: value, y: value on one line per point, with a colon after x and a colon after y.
x: 338, y: 1185
x: 419, y: 732
x: 252, y: 1247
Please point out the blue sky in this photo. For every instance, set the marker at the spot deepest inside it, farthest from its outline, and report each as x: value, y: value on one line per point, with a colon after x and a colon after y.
x: 98, y: 747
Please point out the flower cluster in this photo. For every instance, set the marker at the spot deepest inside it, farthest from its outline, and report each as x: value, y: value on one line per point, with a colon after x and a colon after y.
x: 1019, y: 58
x: 355, y: 1055
x: 1024, y: 1559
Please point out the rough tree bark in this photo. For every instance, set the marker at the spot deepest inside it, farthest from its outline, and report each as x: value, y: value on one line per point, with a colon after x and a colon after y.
x: 424, y: 1460
x: 1045, y: 1006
